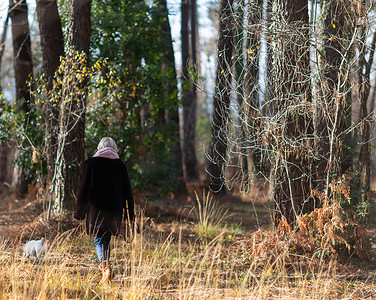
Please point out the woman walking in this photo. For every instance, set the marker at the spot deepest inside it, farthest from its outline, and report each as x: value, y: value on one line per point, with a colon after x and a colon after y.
x: 105, y: 199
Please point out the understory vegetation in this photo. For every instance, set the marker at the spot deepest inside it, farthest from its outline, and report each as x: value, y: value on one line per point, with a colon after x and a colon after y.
x: 199, y: 255
x: 162, y: 268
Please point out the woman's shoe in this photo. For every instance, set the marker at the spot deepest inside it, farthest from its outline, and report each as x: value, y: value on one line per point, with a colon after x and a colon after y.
x: 107, y: 273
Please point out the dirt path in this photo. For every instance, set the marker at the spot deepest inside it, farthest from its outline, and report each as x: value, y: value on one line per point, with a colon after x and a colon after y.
x: 15, y: 212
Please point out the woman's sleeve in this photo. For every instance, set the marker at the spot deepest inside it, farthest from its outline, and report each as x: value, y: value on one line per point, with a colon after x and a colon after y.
x: 128, y: 202
x: 83, y: 193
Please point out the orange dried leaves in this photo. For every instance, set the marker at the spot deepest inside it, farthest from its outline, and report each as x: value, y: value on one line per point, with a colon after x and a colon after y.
x: 326, y: 229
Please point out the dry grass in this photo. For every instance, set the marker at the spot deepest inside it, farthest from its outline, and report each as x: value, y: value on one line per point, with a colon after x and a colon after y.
x: 158, y: 267
x: 210, y: 216
x: 174, y: 261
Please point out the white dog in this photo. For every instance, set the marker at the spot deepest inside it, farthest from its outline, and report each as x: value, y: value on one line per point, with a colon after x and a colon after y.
x: 35, y: 249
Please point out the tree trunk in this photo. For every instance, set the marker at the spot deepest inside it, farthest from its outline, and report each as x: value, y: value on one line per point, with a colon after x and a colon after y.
x: 79, y: 39
x: 2, y: 41
x: 364, y: 74
x: 218, y: 145
x: 51, y: 34
x: 79, y: 25
x: 52, y: 43
x: 7, y: 155
x: 247, y: 48
x: 242, y: 83
x: 329, y: 98
x: 23, y: 68
x: 70, y: 152
x: 251, y: 84
x: 173, y: 114
x: 188, y: 88
x: 292, y: 124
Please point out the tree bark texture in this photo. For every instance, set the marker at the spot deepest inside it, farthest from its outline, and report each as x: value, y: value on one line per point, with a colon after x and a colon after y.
x: 173, y: 114
x: 23, y: 69
x: 23, y: 66
x: 2, y: 41
x: 7, y: 156
x: 242, y: 87
x: 334, y: 158
x: 52, y: 43
x: 220, y: 120
x: 364, y: 79
x: 247, y: 43
x: 251, y: 79
x: 70, y: 150
x: 188, y: 87
x: 292, y: 128
x: 51, y: 34
x: 79, y: 25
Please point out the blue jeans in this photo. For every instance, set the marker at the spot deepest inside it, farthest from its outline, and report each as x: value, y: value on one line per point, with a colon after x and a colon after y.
x: 102, y: 246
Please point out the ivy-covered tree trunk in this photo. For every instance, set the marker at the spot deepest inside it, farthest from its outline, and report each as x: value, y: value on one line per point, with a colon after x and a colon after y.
x: 247, y: 52
x: 52, y: 43
x: 364, y: 80
x: 292, y: 127
x: 330, y: 91
x: 70, y: 152
x: 218, y: 146
x: 251, y: 84
x: 242, y: 88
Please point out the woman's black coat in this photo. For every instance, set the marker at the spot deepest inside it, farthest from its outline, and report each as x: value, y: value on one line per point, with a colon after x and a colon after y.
x: 105, y: 196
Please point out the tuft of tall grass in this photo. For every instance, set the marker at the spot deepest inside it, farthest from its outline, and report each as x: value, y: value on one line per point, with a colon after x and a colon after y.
x: 210, y: 216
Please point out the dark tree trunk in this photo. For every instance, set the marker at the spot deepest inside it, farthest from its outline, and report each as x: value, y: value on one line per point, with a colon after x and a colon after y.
x: 218, y: 145
x: 293, y: 166
x: 79, y: 39
x: 330, y: 160
x: 52, y: 43
x: 251, y: 86
x: 188, y: 87
x: 71, y: 153
x: 7, y: 151
x: 194, y: 33
x: 23, y: 69
x: 364, y: 74
x: 79, y: 25
x: 51, y: 35
x: 23, y: 66
x: 173, y: 114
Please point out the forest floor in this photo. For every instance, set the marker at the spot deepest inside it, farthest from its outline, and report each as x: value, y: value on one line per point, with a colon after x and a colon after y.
x: 170, y: 259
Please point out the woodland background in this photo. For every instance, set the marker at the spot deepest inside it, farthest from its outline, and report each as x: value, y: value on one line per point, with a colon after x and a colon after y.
x: 270, y: 115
